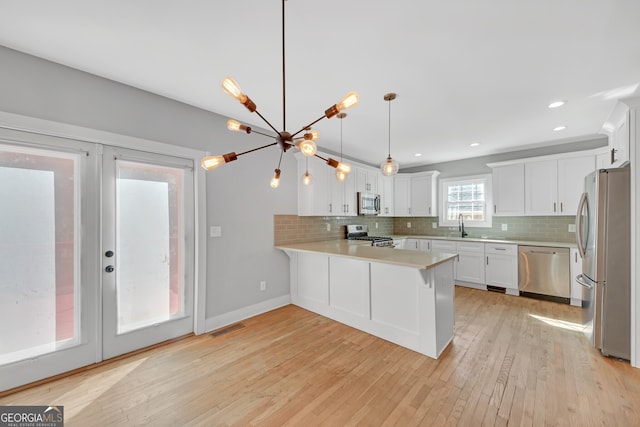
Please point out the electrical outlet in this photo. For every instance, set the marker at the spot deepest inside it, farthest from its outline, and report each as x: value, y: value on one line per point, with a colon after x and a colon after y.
x: 376, y: 225
x: 408, y: 225
x: 505, y: 227
x: 328, y: 227
x: 434, y: 225
x: 215, y: 231
x: 263, y: 285
x: 572, y: 228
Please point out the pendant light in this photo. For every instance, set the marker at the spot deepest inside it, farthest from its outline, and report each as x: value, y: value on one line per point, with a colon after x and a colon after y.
x: 389, y: 167
x: 283, y: 139
x: 344, y: 168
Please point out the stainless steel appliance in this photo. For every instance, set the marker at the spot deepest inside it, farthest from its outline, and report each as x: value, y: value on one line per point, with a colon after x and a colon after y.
x: 544, y: 271
x: 603, y: 238
x: 368, y: 204
x: 361, y: 232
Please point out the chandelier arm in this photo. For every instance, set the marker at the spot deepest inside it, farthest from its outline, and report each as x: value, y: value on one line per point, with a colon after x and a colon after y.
x: 267, y: 122
x: 263, y: 134
x: 308, y: 126
x: 256, y: 149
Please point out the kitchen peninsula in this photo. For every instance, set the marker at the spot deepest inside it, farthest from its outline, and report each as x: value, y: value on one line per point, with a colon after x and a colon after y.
x: 405, y: 297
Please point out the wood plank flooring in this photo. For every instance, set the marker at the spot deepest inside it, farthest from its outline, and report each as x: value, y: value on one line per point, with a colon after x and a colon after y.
x: 513, y: 361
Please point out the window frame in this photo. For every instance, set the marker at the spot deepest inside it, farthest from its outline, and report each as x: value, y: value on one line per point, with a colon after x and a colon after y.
x: 488, y: 200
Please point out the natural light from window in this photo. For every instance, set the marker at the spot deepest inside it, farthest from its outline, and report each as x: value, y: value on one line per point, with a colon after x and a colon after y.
x: 468, y: 197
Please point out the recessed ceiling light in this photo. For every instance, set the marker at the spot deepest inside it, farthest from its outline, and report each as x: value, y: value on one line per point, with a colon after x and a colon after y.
x: 417, y: 154
x: 474, y: 144
x: 557, y: 128
x: 557, y: 104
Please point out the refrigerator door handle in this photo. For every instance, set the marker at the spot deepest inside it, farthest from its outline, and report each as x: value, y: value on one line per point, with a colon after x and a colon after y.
x: 580, y: 243
x: 580, y: 280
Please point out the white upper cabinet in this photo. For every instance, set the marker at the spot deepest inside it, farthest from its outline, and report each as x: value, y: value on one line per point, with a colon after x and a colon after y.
x: 313, y: 199
x: 571, y: 173
x: 342, y: 198
x: 618, y: 128
x: 548, y: 185
x: 402, y: 195
x: 508, y: 190
x: 424, y: 194
x: 553, y: 187
x: 541, y: 188
x: 367, y: 180
x: 385, y: 188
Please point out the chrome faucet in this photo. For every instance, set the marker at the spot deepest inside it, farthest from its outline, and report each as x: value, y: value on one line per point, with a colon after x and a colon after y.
x: 461, y: 226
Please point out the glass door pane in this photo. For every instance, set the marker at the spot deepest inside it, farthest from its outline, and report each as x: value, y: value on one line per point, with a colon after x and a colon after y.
x: 150, y: 280
x: 148, y: 262
x: 38, y: 253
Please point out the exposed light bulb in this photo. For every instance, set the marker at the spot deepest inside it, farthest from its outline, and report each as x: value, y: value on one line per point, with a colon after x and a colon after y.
x: 389, y: 167
x: 232, y: 88
x: 313, y: 135
x: 341, y: 175
x: 275, y: 181
x: 306, y: 178
x: 212, y: 162
x: 236, y: 126
x: 344, y: 167
x: 348, y: 101
x: 307, y: 147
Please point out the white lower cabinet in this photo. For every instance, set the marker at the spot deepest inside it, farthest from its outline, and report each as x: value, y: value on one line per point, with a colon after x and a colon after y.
x: 443, y: 246
x: 470, y: 265
x: 575, y: 268
x: 501, y: 266
x: 411, y: 244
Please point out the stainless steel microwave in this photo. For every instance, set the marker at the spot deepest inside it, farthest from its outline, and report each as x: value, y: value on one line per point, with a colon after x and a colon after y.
x: 368, y: 204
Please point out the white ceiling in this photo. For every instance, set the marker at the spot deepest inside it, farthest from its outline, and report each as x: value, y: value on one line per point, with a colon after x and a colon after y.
x: 465, y: 71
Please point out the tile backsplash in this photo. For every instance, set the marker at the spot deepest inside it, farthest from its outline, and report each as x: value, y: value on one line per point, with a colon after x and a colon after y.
x: 298, y: 229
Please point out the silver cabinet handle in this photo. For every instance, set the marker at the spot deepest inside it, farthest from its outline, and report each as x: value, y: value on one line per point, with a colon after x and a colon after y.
x: 330, y: 207
x: 554, y: 206
x: 561, y: 207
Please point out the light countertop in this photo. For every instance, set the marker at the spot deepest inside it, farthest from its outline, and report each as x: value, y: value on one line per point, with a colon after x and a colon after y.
x: 475, y: 239
x: 364, y: 251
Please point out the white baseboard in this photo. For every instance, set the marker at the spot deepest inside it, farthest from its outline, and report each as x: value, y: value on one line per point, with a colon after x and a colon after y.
x: 243, y: 313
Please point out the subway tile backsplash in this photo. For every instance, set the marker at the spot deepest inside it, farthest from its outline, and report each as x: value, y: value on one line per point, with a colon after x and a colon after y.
x: 298, y: 229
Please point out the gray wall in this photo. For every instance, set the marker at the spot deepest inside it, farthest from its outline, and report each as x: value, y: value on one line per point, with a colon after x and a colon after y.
x: 478, y: 165
x: 239, y: 198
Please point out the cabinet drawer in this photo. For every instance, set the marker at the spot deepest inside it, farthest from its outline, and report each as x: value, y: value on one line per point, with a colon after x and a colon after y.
x: 442, y: 246
x: 470, y: 247
x: 501, y: 249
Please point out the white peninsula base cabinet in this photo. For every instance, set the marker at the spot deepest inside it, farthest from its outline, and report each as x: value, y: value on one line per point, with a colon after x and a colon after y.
x: 409, y: 306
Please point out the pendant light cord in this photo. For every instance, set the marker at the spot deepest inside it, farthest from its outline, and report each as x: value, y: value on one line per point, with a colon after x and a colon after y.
x: 284, y: 90
x: 389, y: 101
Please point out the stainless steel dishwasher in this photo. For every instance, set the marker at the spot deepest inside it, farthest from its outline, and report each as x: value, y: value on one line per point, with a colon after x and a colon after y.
x: 544, y: 271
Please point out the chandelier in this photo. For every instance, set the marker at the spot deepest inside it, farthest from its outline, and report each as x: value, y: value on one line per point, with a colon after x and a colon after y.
x: 304, y: 139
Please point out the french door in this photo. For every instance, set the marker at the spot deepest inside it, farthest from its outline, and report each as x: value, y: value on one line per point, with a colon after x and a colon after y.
x: 147, y: 249
x: 97, y: 253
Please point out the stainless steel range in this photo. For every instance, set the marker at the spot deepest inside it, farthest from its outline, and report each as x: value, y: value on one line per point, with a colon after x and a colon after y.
x: 361, y: 232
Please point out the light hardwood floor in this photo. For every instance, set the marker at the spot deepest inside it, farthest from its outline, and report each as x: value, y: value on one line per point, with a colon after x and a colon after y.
x: 514, y: 361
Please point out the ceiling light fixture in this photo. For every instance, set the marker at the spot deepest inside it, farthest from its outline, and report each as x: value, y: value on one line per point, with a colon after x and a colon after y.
x: 305, y: 143
x: 389, y: 166
x: 474, y: 144
x: 557, y: 104
x: 559, y: 128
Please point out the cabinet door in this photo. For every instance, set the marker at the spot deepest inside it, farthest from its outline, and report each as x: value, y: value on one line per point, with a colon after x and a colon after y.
x: 619, y: 142
x: 508, y: 190
x: 575, y: 268
x: 424, y: 245
x: 541, y: 188
x: 342, y: 200
x: 385, y: 187
x: 501, y: 266
x: 313, y: 199
x: 470, y: 265
x: 411, y: 244
x: 366, y: 181
x: 421, y: 196
x: 401, y: 196
x: 571, y: 173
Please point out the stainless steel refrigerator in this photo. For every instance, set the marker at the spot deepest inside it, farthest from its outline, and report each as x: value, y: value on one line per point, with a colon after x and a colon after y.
x: 603, y: 239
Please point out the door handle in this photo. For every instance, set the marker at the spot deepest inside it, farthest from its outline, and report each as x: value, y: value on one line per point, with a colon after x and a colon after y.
x: 579, y: 279
x: 580, y: 243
